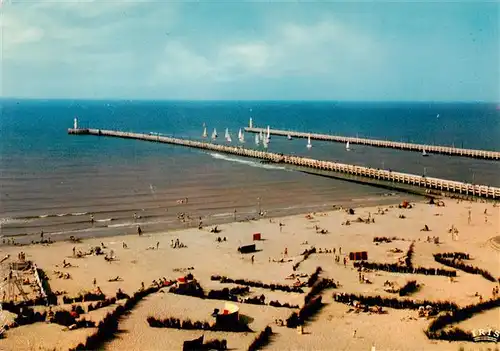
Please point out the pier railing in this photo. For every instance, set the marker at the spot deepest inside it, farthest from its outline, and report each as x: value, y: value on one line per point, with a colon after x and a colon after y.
x: 437, y: 149
x: 429, y: 183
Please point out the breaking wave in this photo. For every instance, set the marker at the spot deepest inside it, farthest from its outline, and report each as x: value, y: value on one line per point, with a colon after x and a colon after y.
x: 247, y: 162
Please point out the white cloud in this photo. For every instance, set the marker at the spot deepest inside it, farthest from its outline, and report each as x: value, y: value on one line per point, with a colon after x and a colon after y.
x: 321, y: 48
x: 182, y: 63
x: 58, y: 29
x: 252, y: 56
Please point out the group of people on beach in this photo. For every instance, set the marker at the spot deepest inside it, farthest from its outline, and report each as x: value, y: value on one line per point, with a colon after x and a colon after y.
x: 176, y: 244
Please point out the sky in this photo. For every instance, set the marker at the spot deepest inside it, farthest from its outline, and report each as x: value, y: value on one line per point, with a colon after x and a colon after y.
x: 249, y: 50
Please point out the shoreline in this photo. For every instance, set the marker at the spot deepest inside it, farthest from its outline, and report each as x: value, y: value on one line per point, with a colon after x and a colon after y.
x: 172, y: 224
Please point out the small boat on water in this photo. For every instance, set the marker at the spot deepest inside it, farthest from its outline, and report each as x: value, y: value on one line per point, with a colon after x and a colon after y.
x: 257, y: 140
x: 265, y: 143
x: 214, y: 134
x: 227, y: 136
x: 347, y: 147
x: 424, y: 153
x: 268, y: 133
x: 261, y: 135
x: 309, y: 145
x: 241, y: 136
x: 289, y: 137
x: 204, y: 135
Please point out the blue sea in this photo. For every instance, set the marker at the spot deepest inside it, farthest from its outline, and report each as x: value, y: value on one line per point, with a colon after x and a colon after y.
x: 53, y: 181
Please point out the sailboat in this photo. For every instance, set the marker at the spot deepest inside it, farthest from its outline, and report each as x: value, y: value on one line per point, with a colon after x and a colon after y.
x: 241, y: 136
x: 289, y: 137
x: 347, y: 146
x: 309, y: 145
x: 268, y: 133
x: 214, y: 134
x: 204, y: 135
x: 265, y: 143
x: 424, y: 153
x: 257, y: 140
x: 227, y: 136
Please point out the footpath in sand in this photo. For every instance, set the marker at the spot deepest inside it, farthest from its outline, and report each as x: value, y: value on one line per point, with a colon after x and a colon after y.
x: 337, y: 326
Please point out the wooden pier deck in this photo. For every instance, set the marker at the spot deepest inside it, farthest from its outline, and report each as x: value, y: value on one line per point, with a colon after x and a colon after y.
x: 436, y: 149
x: 431, y: 185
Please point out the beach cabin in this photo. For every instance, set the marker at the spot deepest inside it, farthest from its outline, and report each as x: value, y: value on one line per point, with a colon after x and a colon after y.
x: 246, y: 248
x: 358, y: 256
x: 257, y: 236
x: 229, y: 317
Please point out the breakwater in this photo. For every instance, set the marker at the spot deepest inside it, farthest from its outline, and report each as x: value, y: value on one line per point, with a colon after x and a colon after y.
x: 436, y: 149
x: 369, y: 175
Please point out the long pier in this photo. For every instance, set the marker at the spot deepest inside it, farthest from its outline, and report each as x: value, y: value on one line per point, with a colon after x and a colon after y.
x: 432, y: 185
x: 437, y: 149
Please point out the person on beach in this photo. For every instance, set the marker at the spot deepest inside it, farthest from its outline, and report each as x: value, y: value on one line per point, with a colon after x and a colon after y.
x: 139, y: 230
x: 74, y: 251
x: 92, y: 218
x: 41, y: 235
x: 253, y: 258
x: 157, y: 245
x: 124, y: 245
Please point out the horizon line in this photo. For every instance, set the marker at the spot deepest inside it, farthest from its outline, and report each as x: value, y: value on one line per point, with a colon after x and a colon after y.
x: 247, y: 100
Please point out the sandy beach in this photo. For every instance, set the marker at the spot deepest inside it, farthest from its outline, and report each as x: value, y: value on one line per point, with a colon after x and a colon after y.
x: 336, y: 326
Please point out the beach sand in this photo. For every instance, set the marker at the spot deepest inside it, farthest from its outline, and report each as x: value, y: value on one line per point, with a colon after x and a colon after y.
x: 331, y: 329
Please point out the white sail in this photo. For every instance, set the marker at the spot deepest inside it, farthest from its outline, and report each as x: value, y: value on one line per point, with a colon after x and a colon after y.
x: 347, y: 146
x: 228, y: 138
x: 264, y: 143
x: 205, y: 132
x: 241, y: 136
x: 214, y: 134
x: 289, y: 137
x: 261, y: 135
x: 268, y: 133
x: 424, y: 153
x: 227, y: 133
x: 257, y: 140
x: 309, y: 145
